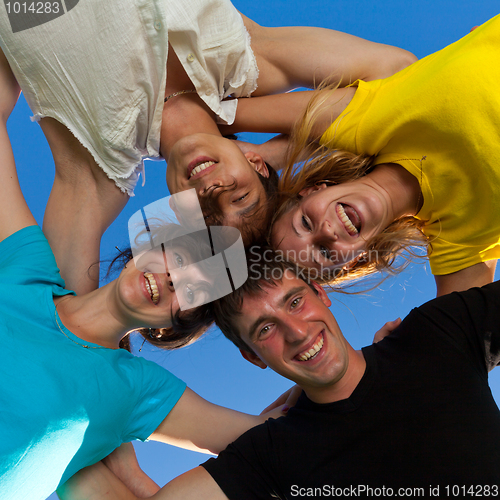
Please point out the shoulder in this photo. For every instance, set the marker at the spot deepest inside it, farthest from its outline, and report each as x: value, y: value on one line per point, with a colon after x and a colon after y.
x: 149, y: 383
x: 468, y: 320
x: 27, y: 257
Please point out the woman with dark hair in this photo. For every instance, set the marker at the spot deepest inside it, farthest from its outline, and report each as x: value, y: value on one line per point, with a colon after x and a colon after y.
x: 412, y: 159
x: 114, y: 82
x: 69, y: 395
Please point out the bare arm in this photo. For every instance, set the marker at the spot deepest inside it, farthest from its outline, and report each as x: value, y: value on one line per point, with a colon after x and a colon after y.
x: 290, y: 57
x: 198, y: 425
x: 82, y: 204
x: 83, y: 201
x: 477, y: 275
x: 278, y: 113
x: 9, y: 89
x: 14, y: 212
x: 98, y: 482
x: 192, y: 485
x: 194, y: 424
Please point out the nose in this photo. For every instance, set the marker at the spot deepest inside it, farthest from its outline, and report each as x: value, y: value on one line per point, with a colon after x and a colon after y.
x: 296, y: 330
x: 326, y: 230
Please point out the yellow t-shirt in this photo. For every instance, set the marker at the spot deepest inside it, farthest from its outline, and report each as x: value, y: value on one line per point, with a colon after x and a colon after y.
x: 440, y: 120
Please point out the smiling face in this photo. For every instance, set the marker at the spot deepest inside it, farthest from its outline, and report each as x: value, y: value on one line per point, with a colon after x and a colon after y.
x: 150, y: 297
x: 290, y: 329
x: 209, y: 164
x: 330, y: 226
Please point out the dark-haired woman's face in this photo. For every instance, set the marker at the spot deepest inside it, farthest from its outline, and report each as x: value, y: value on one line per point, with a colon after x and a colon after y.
x: 163, y: 283
x: 209, y: 163
x: 330, y: 226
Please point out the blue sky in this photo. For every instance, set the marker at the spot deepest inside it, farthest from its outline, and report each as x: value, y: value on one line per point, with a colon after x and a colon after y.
x: 213, y: 367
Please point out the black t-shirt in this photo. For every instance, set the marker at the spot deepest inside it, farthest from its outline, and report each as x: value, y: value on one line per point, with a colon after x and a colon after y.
x: 422, y: 416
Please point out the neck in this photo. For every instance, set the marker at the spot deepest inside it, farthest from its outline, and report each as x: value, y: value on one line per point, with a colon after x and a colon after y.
x: 400, y: 187
x: 184, y: 114
x: 345, y: 386
x: 89, y: 317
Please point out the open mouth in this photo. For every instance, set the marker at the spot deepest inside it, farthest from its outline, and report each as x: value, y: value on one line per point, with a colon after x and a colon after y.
x: 349, y: 218
x: 199, y: 167
x: 313, y: 351
x: 152, y: 287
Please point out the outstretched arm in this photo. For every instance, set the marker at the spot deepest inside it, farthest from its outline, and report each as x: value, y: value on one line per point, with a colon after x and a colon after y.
x: 194, y: 424
x: 290, y: 57
x: 97, y: 482
x: 198, y: 425
x: 278, y: 113
x: 477, y: 275
x: 14, y: 212
x: 83, y: 201
x: 82, y: 204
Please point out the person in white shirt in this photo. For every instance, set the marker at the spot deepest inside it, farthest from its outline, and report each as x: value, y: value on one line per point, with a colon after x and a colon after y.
x: 96, y: 79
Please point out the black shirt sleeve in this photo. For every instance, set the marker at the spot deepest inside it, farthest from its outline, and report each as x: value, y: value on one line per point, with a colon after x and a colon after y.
x: 245, y: 470
x: 471, y: 319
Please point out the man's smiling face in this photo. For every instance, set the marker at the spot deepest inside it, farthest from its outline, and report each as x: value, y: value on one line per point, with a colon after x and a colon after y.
x: 290, y: 329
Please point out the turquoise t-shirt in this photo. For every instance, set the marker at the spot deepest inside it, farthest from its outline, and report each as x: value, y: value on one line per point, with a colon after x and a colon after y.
x: 62, y: 407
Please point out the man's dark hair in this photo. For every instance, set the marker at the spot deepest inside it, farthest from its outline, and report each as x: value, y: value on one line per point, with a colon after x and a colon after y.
x: 255, y: 224
x: 265, y: 267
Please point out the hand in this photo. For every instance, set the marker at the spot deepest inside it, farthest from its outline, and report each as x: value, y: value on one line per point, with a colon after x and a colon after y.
x: 288, y: 399
x: 386, y: 330
x: 124, y: 465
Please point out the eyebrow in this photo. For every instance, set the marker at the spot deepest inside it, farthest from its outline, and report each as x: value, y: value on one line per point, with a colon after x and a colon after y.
x: 253, y: 328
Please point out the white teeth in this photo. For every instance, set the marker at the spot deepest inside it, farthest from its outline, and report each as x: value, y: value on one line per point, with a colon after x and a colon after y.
x: 200, y: 167
x: 152, y: 287
x: 351, y: 228
x: 312, y: 351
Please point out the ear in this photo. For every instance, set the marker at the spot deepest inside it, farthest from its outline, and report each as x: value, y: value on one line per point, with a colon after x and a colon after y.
x: 322, y: 294
x: 257, y: 163
x: 253, y: 358
x: 312, y: 189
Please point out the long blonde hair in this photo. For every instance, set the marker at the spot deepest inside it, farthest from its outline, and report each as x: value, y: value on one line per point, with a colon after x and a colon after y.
x: 309, y: 163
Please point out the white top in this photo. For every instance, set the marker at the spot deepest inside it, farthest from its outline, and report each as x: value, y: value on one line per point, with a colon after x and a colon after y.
x: 100, y: 69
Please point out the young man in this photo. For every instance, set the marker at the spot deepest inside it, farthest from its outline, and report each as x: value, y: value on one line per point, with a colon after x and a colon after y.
x: 412, y: 413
